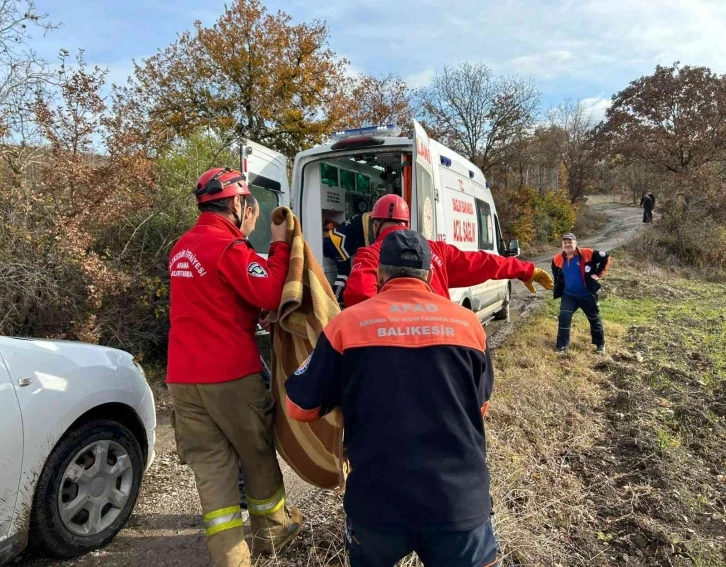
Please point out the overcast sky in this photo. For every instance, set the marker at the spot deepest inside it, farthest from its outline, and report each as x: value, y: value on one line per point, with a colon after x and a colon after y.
x: 584, y: 49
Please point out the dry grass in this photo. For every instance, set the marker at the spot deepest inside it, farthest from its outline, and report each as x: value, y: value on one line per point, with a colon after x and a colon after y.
x: 543, y: 416
x: 618, y: 459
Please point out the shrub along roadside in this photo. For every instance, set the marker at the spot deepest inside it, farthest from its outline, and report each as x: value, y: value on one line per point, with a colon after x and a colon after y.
x: 534, y: 217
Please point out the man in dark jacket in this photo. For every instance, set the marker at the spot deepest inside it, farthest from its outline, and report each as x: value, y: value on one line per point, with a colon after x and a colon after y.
x: 648, y: 202
x: 413, y: 376
x: 341, y: 242
x: 576, y: 272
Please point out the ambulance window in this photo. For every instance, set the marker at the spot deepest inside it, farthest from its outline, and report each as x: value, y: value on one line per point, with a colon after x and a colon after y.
x: 486, y: 226
x: 500, y: 239
x: 261, y: 236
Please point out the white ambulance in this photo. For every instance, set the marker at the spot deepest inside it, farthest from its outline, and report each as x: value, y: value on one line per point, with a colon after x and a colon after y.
x: 448, y: 196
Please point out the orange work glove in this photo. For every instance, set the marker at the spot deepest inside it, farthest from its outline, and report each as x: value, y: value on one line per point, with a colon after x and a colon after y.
x: 542, y: 278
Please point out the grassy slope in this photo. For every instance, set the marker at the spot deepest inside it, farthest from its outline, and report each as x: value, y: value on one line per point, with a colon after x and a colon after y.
x: 616, y: 459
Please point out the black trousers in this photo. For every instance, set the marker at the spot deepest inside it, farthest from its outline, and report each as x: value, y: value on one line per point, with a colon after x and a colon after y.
x: 435, y: 548
x: 589, y: 307
x: 647, y: 215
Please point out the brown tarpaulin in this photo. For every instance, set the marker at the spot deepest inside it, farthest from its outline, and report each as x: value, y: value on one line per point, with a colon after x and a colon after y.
x: 311, y: 449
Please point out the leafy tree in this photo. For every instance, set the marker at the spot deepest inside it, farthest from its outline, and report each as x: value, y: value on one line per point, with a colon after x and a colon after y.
x: 673, y: 123
x: 251, y: 73
x: 379, y: 100
x: 674, y: 119
x: 58, y: 272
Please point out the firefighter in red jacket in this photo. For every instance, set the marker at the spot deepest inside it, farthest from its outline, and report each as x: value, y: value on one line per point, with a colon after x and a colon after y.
x: 412, y: 375
x: 222, y: 411
x: 451, y: 266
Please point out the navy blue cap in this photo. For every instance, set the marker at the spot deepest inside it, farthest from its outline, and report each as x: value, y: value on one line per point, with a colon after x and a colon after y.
x: 569, y: 236
x: 407, y: 249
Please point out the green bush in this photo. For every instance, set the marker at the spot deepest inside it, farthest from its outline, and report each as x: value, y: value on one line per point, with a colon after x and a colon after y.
x: 533, y: 217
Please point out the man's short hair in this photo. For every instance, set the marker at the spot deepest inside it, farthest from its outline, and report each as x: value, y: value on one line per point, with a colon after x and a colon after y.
x: 224, y: 204
x: 389, y: 272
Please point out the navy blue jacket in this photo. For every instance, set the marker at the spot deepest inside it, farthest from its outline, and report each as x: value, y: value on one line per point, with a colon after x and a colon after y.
x: 413, y: 377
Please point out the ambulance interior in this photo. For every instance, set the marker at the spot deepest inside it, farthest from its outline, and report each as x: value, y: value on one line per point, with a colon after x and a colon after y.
x: 351, y: 185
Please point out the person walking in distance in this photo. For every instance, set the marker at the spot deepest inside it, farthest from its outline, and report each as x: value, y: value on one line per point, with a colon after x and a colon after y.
x: 223, y: 414
x: 577, y: 272
x: 412, y: 374
x: 647, y: 201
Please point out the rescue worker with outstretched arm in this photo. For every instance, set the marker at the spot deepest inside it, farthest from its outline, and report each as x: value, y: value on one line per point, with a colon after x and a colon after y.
x: 451, y: 267
x: 412, y: 375
x: 223, y: 414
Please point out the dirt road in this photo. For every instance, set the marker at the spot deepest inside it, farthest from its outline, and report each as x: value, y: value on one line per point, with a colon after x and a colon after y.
x: 166, y: 527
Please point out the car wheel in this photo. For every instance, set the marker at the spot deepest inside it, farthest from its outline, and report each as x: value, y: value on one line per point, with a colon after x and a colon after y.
x: 87, y: 490
x: 503, y: 313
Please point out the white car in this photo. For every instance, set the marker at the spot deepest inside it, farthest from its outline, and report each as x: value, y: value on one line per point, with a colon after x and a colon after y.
x: 77, y: 426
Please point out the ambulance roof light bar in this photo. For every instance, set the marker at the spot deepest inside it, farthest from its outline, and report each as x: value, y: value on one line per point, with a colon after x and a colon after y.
x: 388, y: 131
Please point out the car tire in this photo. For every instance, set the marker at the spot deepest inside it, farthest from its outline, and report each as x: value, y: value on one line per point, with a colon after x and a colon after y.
x: 76, y: 480
x: 503, y: 313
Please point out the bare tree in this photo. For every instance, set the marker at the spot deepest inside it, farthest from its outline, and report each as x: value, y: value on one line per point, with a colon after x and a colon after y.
x: 571, y: 126
x: 476, y: 113
x: 22, y: 75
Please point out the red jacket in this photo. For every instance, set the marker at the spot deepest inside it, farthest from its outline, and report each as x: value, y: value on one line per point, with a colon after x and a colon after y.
x: 218, y: 286
x: 452, y: 268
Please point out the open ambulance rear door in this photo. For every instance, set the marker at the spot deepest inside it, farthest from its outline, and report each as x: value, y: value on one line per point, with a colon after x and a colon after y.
x: 423, y: 219
x: 266, y: 172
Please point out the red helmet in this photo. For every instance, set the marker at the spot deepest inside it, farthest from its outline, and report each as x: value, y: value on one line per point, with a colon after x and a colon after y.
x: 220, y: 183
x: 391, y: 207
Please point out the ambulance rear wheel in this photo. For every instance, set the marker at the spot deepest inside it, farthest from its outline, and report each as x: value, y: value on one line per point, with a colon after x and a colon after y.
x: 503, y: 313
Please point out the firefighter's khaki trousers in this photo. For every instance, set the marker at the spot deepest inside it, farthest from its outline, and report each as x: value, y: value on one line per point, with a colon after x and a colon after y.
x: 218, y: 426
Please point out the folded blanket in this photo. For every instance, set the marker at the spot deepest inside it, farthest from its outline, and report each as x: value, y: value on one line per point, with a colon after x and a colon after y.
x: 313, y: 450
